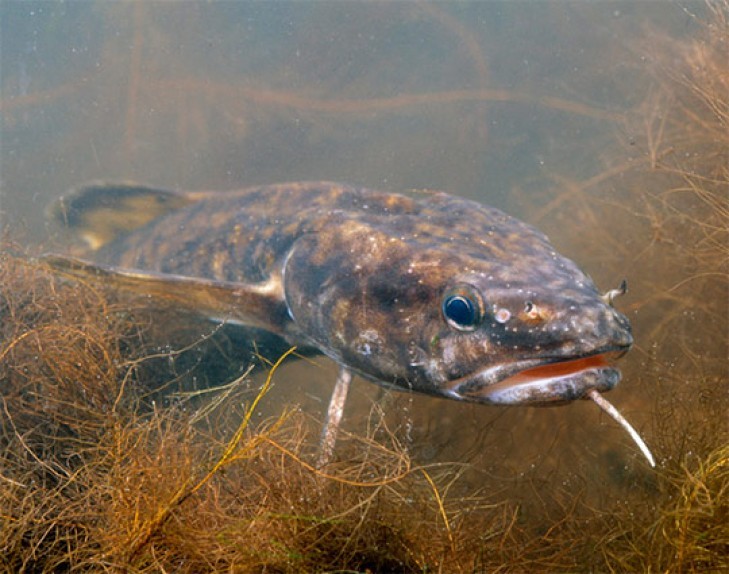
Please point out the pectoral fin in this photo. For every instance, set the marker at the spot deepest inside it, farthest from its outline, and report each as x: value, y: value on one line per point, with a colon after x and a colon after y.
x: 259, y: 305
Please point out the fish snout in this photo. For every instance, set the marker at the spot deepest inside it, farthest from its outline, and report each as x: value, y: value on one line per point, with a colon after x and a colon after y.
x: 594, y: 328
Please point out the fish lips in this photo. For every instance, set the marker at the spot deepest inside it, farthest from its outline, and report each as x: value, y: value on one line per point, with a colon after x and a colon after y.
x: 540, y: 381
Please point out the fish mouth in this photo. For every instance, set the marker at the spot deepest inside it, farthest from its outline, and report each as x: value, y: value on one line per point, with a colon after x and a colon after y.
x: 538, y: 382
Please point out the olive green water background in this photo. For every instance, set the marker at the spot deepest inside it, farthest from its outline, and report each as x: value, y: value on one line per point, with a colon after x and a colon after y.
x: 499, y: 102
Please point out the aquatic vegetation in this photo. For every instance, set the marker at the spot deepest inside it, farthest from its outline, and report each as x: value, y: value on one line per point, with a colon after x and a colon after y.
x: 97, y: 474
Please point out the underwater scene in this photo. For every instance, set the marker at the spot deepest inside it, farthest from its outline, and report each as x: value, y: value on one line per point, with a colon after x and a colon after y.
x: 138, y: 435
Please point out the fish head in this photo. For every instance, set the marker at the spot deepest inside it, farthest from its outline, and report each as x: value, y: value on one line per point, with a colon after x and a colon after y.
x: 537, y: 343
x: 479, y: 308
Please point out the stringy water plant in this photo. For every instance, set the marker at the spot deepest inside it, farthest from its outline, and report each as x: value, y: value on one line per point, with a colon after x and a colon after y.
x: 101, y: 472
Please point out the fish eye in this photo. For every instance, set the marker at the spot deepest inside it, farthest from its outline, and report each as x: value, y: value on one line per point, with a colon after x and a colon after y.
x: 462, y: 308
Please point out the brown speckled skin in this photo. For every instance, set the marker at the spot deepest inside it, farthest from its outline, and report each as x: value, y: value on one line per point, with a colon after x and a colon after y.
x: 364, y: 274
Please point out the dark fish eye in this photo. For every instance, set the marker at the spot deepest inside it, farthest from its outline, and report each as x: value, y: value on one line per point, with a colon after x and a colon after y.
x: 462, y: 308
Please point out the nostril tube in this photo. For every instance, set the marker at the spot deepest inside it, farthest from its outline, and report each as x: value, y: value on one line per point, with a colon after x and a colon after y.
x: 610, y: 296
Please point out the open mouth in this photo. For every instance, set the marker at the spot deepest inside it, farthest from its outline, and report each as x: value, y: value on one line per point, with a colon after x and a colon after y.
x: 549, y: 383
x: 534, y: 382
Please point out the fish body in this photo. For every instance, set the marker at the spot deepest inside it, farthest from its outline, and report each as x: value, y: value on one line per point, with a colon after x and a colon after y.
x: 427, y: 292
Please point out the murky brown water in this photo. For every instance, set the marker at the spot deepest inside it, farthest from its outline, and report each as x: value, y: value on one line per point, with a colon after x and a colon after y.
x: 529, y: 107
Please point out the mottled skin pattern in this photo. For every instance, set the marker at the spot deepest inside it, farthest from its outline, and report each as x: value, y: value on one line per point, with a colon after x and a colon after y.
x: 361, y: 276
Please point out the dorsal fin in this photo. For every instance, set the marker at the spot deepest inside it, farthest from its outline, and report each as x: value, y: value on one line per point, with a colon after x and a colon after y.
x: 100, y: 212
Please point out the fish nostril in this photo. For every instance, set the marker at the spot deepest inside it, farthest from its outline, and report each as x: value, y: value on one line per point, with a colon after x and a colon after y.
x: 502, y: 315
x: 534, y: 312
